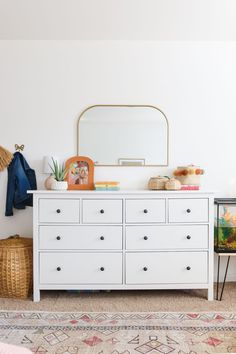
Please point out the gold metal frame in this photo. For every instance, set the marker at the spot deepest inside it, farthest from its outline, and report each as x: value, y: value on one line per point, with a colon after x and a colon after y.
x: 125, y: 105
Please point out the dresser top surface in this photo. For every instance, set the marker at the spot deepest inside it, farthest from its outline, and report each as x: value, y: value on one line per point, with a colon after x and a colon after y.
x: 124, y: 191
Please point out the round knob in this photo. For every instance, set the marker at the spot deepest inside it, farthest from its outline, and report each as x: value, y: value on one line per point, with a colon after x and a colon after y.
x: 188, y: 210
x: 102, y: 238
x: 58, y: 211
x: 188, y: 268
x: 188, y: 237
x: 145, y: 211
x: 145, y: 238
x: 58, y: 269
x: 145, y: 269
x: 102, y: 269
x: 102, y: 211
x: 58, y: 238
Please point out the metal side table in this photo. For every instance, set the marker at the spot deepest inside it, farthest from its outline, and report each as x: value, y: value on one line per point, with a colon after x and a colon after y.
x: 218, y: 273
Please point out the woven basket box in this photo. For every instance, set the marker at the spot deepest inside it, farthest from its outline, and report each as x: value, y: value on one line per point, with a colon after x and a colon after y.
x: 16, y: 267
x: 157, y: 183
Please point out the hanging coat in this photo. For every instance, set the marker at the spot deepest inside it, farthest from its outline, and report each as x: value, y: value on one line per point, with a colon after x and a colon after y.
x: 20, y: 179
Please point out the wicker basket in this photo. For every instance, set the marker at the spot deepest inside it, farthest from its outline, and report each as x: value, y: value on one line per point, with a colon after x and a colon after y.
x: 157, y: 183
x: 16, y: 267
x: 173, y: 184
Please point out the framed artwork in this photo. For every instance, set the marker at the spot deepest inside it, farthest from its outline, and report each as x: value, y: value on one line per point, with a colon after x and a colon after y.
x: 80, y: 172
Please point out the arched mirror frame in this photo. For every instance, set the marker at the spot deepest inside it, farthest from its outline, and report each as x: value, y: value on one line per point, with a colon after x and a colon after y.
x: 126, y: 105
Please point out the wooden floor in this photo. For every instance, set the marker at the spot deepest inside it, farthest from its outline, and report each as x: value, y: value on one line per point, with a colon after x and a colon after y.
x: 125, y: 301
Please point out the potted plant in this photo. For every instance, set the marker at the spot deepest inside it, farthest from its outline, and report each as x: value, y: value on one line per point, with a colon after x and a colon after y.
x: 59, y: 172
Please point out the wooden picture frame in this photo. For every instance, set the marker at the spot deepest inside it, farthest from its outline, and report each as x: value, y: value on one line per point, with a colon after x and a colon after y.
x: 80, y: 173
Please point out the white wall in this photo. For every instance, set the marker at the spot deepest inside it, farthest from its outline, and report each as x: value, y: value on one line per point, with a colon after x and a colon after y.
x: 118, y: 19
x: 44, y: 85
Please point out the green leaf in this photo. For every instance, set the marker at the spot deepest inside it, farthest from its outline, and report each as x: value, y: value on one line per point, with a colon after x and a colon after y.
x: 59, y: 171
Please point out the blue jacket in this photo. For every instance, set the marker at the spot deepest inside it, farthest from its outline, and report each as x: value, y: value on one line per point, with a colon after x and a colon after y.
x: 20, y: 179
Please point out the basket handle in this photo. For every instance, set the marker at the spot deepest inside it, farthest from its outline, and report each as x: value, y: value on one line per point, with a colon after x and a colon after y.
x: 16, y: 236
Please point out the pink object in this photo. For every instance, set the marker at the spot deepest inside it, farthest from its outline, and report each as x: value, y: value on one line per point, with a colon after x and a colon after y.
x: 189, y: 187
x: 213, y: 341
x: 13, y: 349
x: 92, y: 341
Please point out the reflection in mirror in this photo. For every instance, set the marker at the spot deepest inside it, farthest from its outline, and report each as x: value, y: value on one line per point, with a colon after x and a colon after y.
x: 124, y: 135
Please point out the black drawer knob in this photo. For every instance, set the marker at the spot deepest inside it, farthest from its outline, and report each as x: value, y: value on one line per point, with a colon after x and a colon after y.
x: 189, y: 237
x: 58, y: 211
x: 102, y: 238
x: 58, y: 238
x: 102, y: 269
x: 145, y: 269
x: 58, y: 269
x: 145, y: 211
x: 102, y: 211
x: 145, y: 238
x: 188, y: 210
x: 188, y: 268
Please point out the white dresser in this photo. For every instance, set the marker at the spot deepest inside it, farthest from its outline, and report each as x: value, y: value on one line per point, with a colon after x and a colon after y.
x: 123, y: 240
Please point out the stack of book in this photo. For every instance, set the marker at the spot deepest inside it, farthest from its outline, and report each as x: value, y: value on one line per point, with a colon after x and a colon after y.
x: 107, y: 186
x: 190, y: 187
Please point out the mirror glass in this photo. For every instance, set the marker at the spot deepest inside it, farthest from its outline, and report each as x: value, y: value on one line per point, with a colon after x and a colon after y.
x: 124, y: 135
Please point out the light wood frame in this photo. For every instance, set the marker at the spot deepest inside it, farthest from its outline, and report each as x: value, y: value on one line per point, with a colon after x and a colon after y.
x: 126, y: 105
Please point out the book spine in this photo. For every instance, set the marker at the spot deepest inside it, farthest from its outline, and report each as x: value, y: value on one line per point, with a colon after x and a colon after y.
x: 107, y: 183
x: 107, y: 188
x: 189, y: 188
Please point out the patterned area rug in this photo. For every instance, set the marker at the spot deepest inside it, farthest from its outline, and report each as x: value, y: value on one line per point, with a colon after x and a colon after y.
x: 120, y: 333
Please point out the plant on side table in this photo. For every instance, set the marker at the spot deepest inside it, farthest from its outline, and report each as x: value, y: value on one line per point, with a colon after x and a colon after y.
x: 59, y: 172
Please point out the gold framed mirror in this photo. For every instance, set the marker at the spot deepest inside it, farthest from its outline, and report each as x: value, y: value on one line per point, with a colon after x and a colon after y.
x: 124, y: 135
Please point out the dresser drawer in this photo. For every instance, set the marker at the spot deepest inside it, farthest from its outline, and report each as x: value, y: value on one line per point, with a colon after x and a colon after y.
x: 145, y: 210
x: 166, y: 268
x: 188, y: 210
x: 102, y: 211
x: 80, y: 268
x: 166, y: 237
x: 59, y: 210
x: 60, y: 237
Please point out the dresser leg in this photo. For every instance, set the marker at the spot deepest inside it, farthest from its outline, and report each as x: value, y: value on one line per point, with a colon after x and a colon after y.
x: 36, y: 297
x: 210, y: 294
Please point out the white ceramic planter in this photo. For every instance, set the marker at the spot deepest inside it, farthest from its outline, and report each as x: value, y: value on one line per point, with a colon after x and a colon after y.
x: 59, y: 185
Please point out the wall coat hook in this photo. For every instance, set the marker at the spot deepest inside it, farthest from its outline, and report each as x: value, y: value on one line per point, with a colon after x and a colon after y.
x: 19, y: 148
